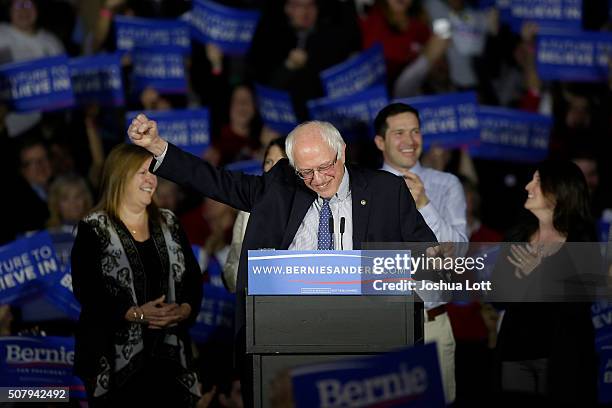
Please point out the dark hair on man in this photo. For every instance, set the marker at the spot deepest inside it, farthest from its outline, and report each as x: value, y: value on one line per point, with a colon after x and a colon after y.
x: 380, y: 122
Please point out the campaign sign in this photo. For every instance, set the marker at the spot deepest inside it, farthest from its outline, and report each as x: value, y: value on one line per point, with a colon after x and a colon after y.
x: 356, y: 74
x: 407, y: 378
x: 605, y: 375
x: 216, y: 315
x: 38, y: 85
x: 97, y: 79
x: 39, y: 362
x: 188, y: 129
x: 28, y: 266
x: 160, y: 68
x: 601, y: 313
x: 229, y: 28
x: 276, y: 109
x: 566, y: 14
x: 603, y: 230
x: 57, y: 301
x: 573, y: 55
x: 447, y: 120
x: 512, y: 135
x: 149, y: 32
x: 352, y: 115
x: 329, y: 272
x: 252, y: 167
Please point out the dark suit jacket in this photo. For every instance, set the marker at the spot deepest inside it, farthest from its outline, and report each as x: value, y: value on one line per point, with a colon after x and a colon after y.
x: 383, y: 208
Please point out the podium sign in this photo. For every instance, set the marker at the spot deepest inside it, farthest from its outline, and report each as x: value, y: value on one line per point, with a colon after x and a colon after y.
x: 320, y: 306
x: 329, y: 272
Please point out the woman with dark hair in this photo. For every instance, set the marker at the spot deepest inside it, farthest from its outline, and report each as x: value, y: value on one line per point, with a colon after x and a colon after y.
x: 140, y: 289
x: 546, y: 346
x: 238, y: 139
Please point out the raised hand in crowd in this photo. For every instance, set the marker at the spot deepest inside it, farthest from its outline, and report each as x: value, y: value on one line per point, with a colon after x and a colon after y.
x: 96, y: 147
x: 296, y: 59
x: 143, y: 132
x: 435, y: 48
x: 215, y: 57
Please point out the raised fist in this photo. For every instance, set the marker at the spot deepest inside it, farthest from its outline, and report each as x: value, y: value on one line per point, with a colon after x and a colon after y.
x: 143, y: 133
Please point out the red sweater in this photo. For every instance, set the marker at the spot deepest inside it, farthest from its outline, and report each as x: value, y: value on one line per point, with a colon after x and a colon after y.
x: 400, y: 47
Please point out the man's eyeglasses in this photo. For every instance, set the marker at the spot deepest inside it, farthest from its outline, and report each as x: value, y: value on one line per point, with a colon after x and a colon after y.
x: 308, y: 174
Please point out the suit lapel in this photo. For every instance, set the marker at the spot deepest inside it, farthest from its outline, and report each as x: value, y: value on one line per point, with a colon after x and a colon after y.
x: 301, y: 203
x: 361, y: 207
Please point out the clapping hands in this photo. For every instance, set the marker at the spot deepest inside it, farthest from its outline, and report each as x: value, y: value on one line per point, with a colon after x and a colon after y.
x: 525, y: 259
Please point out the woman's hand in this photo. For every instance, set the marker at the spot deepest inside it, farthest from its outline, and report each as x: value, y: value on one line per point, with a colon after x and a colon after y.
x: 167, y: 314
x: 525, y: 259
x: 158, y: 314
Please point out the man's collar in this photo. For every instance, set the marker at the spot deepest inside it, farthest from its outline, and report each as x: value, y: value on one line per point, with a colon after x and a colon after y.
x: 416, y: 169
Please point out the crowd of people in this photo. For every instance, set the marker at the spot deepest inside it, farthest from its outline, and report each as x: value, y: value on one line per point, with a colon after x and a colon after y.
x: 70, y: 170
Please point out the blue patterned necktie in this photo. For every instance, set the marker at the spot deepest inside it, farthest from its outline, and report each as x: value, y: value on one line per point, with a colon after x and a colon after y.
x: 325, y: 241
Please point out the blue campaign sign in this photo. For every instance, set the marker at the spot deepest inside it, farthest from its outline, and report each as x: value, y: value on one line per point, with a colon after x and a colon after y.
x: 37, y: 85
x: 188, y: 129
x: 162, y: 68
x: 447, y: 120
x: 408, y: 378
x: 566, y: 14
x: 573, y: 55
x: 57, y: 301
x: 353, y: 115
x: 605, y: 376
x: 330, y: 272
x: 97, y: 79
x: 276, y: 109
x: 603, y: 230
x: 229, y: 28
x: 39, y: 362
x: 216, y: 317
x: 252, y: 167
x: 512, y: 135
x: 601, y: 313
x: 151, y: 32
x: 356, y: 74
x: 28, y: 267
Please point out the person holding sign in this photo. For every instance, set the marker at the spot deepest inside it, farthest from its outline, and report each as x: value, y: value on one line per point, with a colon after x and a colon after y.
x: 293, y: 205
x: 140, y: 290
x: 439, y: 199
x: 289, y: 53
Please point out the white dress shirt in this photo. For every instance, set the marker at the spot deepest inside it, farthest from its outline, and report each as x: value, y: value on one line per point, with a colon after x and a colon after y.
x: 306, y: 237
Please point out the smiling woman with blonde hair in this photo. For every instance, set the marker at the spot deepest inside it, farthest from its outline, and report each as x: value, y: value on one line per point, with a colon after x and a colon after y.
x: 140, y: 290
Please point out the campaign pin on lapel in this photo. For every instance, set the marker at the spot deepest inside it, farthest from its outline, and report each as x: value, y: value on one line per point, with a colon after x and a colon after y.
x: 363, y: 202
